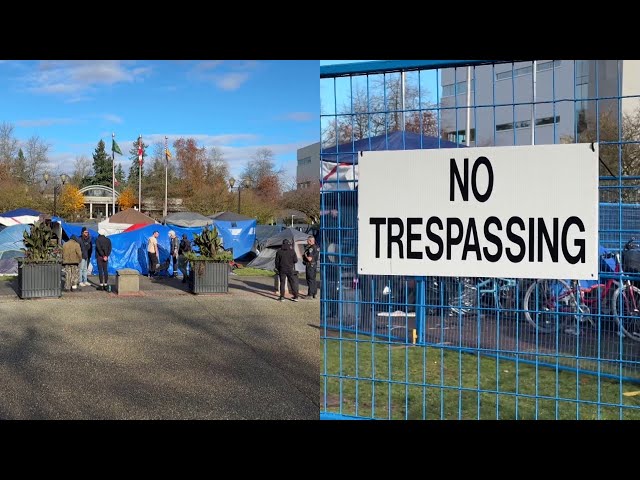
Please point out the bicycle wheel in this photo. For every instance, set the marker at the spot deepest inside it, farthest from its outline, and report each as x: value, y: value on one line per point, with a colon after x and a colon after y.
x: 629, y: 308
x: 547, y: 302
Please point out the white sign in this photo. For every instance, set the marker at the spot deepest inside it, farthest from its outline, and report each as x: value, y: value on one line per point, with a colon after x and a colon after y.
x: 513, y: 212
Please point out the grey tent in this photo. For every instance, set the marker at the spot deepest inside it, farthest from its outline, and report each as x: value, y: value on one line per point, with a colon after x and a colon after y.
x: 266, y: 259
x: 187, y: 219
x: 229, y: 217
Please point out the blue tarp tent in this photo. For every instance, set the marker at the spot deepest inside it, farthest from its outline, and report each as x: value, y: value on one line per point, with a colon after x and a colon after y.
x: 73, y: 229
x: 19, y: 212
x: 129, y: 249
x: 238, y: 232
x: 400, y: 140
x: 10, y: 248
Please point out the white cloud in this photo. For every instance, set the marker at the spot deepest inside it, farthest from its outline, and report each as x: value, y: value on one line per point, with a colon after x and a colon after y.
x: 45, y: 122
x: 232, y: 78
x: 73, y: 77
x: 112, y: 118
x: 300, y: 116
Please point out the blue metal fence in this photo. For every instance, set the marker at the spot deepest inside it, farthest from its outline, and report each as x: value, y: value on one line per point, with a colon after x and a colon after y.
x: 472, y: 348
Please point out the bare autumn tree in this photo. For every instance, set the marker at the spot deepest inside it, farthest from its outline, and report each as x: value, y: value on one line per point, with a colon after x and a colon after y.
x: 9, y: 144
x: 620, y: 158
x: 213, y: 195
x: 36, y: 155
x: 191, y: 165
x: 376, y: 110
x: 81, y: 170
x: 305, y: 200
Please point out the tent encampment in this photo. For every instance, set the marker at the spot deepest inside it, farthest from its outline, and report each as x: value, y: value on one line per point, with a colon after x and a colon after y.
x: 238, y: 232
x: 266, y: 259
x: 11, y: 244
x: 340, y: 164
x: 20, y: 216
x: 122, y: 220
x: 187, y: 220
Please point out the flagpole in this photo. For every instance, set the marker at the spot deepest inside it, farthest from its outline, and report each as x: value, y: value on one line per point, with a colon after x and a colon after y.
x: 139, y: 173
x: 113, y: 176
x: 166, y: 168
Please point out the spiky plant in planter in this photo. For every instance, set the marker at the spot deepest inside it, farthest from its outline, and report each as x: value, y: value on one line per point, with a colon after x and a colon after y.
x: 40, y: 244
x: 40, y: 271
x: 209, y: 263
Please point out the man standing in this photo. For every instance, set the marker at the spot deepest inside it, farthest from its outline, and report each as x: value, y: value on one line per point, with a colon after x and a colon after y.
x: 103, y: 250
x: 286, y: 260
x: 86, y: 247
x: 310, y: 260
x: 174, y: 247
x: 153, y: 252
x: 183, y: 249
x: 71, y: 257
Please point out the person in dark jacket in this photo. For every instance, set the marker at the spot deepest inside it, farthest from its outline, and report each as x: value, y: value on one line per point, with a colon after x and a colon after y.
x: 285, y: 264
x: 310, y: 260
x: 87, y: 250
x: 183, y: 249
x: 103, y: 250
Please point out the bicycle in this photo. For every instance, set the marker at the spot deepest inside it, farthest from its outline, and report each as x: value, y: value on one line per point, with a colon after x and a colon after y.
x: 546, y: 302
x: 499, y: 293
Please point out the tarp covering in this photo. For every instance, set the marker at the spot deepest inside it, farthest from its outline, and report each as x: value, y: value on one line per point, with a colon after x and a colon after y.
x: 230, y: 217
x: 131, y: 217
x: 19, y: 216
x: 237, y: 234
x: 187, y: 219
x: 267, y: 258
x: 71, y: 229
x: 341, y: 163
x: 10, y: 248
x: 136, y: 226
x: 129, y: 250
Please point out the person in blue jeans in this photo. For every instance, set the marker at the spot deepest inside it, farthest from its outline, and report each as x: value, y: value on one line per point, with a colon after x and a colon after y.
x: 86, y: 248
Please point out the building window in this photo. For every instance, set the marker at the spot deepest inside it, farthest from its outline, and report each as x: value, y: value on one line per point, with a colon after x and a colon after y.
x: 304, y: 161
x: 461, y: 136
x: 582, y: 93
x: 304, y: 185
x: 527, y: 123
x: 519, y: 72
x: 448, y: 90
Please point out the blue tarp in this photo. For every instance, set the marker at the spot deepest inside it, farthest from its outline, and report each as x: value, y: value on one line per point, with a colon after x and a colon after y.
x: 399, y: 140
x: 73, y: 229
x: 129, y: 249
x: 10, y: 248
x: 20, y: 212
x: 239, y: 235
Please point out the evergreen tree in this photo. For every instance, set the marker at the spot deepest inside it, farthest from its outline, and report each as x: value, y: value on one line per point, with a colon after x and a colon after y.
x: 120, y: 177
x: 20, y: 167
x: 132, y: 179
x: 102, y: 164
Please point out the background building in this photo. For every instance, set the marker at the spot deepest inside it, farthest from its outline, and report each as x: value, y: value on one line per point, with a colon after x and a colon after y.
x: 502, y: 95
x: 308, y: 167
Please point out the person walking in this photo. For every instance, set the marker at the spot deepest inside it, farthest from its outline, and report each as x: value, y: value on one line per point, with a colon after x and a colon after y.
x: 71, y: 257
x: 103, y: 250
x: 286, y: 260
x: 310, y: 261
x: 154, y: 253
x: 173, y: 248
x: 87, y: 250
x: 183, y: 249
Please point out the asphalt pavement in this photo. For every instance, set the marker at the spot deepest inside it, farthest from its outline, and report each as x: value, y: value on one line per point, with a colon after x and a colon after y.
x: 162, y: 354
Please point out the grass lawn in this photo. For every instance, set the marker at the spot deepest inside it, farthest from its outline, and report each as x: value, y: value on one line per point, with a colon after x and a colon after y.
x: 5, y: 278
x: 379, y: 380
x: 253, y: 272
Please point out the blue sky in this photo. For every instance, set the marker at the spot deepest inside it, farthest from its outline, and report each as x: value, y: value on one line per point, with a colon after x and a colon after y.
x: 238, y: 106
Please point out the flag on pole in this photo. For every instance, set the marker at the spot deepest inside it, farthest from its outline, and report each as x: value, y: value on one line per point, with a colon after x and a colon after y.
x: 140, y: 152
x: 167, y: 153
x: 115, y: 148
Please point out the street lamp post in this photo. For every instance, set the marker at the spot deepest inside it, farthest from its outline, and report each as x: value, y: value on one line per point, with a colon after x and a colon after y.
x: 243, y: 184
x: 56, y: 188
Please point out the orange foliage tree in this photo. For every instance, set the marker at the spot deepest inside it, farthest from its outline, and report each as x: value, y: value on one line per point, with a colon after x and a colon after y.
x: 71, y: 202
x: 126, y: 199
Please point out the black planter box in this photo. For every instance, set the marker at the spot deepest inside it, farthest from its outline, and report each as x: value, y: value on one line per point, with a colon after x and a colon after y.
x: 39, y: 280
x: 209, y: 277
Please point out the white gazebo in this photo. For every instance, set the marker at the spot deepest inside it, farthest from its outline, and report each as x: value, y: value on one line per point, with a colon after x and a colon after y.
x: 99, y: 200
